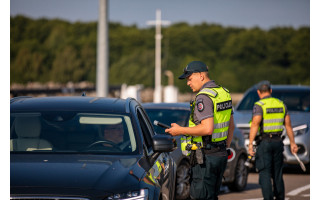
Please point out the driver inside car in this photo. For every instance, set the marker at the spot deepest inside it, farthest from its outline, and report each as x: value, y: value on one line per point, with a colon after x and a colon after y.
x: 113, y: 134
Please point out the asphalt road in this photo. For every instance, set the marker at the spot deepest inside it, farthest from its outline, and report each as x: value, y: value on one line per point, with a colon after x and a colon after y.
x: 297, y: 187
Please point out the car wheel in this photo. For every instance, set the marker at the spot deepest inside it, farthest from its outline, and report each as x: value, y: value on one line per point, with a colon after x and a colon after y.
x: 183, y: 181
x: 241, y: 176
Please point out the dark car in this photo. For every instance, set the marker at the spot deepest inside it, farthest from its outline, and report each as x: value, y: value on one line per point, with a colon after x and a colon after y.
x: 87, y: 148
x: 235, y: 175
x: 297, y: 100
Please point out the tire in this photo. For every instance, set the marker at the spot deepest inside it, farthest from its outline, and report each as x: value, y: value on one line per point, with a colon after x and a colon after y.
x: 241, y: 176
x: 183, y: 181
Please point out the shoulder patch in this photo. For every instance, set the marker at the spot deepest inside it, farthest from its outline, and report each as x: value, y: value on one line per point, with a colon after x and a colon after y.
x: 200, y: 105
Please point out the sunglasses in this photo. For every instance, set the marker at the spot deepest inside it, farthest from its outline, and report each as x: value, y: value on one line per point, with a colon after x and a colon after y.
x: 185, y: 71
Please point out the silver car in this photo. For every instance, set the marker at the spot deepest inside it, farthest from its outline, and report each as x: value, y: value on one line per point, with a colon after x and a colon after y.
x: 236, y: 173
x: 297, y: 100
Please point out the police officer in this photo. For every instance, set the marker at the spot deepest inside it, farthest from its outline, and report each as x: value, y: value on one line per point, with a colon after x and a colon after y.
x: 269, y: 115
x: 211, y: 127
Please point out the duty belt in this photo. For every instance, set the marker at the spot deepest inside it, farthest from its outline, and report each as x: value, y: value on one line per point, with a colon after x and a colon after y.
x: 274, y: 136
x: 213, y: 145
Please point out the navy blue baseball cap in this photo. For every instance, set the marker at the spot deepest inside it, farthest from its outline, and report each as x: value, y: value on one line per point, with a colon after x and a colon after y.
x: 264, y: 85
x: 192, y: 67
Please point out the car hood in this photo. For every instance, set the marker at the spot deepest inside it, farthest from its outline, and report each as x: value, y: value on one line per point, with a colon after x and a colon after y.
x: 243, y: 118
x: 74, y: 172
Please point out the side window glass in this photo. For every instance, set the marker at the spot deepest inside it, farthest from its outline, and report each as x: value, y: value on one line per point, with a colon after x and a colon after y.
x: 146, y: 128
x: 148, y: 122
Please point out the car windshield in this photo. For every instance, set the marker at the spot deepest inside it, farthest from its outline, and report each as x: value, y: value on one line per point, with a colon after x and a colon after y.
x: 295, y: 100
x: 70, y: 132
x: 168, y: 116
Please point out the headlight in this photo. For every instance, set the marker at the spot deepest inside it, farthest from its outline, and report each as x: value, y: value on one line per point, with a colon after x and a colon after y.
x: 300, y: 130
x: 131, y: 195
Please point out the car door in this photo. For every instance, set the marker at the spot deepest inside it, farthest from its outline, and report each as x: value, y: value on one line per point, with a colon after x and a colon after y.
x: 161, y: 171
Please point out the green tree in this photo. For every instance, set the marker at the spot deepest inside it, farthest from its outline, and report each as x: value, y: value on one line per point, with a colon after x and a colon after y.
x: 56, y: 50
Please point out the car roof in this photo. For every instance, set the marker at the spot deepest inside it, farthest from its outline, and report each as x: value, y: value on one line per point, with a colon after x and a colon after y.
x: 180, y: 106
x: 71, y: 103
x: 284, y: 87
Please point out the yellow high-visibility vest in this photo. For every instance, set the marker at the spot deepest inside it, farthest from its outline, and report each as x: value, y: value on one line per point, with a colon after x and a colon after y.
x: 222, y: 103
x: 273, y: 114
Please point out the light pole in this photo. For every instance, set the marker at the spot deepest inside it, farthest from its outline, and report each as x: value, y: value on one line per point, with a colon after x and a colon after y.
x: 157, y: 97
x: 102, y: 82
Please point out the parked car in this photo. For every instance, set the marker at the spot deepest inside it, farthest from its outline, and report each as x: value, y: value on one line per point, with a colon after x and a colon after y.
x: 236, y: 173
x: 297, y: 100
x: 87, y: 148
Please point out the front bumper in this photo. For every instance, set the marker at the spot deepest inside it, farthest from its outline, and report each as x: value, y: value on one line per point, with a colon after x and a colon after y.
x: 303, y: 152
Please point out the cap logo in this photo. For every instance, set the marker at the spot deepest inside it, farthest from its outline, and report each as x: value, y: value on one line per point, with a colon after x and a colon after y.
x: 185, y: 69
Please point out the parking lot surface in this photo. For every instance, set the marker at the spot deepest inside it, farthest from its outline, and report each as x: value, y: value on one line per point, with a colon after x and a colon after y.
x: 297, y: 187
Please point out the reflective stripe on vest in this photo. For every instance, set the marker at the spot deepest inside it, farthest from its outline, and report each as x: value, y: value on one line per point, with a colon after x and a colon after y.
x: 273, y: 120
x: 220, y: 135
x: 207, y: 90
x: 222, y: 125
x: 273, y: 114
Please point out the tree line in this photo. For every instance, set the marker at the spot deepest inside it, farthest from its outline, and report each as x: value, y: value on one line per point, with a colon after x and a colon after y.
x: 43, y: 50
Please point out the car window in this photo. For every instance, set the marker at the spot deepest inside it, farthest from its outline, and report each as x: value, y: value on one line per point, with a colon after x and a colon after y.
x: 168, y: 116
x: 295, y: 100
x: 70, y: 132
x: 248, y: 101
x: 146, y: 127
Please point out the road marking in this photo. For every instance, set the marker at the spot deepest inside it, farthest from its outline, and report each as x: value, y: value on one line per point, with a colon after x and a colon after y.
x: 261, y: 199
x: 291, y: 193
x: 298, y: 190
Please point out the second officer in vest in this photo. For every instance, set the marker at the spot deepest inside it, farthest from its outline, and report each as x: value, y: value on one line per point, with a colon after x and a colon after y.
x: 270, y: 115
x: 210, y: 131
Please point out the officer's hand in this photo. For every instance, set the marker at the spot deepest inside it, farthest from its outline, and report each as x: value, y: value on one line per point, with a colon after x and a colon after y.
x: 250, y: 149
x: 294, y: 148
x: 174, y: 130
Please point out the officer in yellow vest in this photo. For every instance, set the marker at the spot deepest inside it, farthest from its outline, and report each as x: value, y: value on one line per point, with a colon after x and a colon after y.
x: 210, y: 128
x: 269, y: 115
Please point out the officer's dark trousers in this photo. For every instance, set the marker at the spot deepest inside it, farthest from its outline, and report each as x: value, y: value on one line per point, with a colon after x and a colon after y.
x: 269, y: 162
x: 206, y: 178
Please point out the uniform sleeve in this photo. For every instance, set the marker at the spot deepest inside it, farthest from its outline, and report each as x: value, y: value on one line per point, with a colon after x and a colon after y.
x: 257, y: 110
x: 286, y: 110
x: 203, y: 108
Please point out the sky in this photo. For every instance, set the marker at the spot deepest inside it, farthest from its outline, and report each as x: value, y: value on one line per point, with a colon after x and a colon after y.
x: 240, y: 13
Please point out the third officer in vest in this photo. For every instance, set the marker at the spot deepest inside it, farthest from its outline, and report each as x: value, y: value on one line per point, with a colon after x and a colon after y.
x: 269, y: 116
x: 209, y: 133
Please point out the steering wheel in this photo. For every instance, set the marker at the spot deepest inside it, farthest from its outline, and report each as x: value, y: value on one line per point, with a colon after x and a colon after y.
x: 103, y: 142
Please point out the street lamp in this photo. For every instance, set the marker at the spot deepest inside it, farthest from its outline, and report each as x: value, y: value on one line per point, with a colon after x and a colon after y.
x: 157, y: 97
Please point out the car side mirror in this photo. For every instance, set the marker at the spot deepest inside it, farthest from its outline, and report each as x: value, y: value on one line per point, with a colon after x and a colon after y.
x: 163, y: 143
